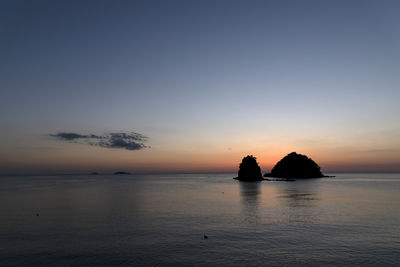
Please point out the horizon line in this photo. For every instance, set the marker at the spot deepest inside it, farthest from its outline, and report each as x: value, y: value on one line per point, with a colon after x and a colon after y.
x: 166, y: 172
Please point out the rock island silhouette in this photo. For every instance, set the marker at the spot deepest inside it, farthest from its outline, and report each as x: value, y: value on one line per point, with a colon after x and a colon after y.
x: 295, y: 165
x: 249, y: 169
x: 291, y: 166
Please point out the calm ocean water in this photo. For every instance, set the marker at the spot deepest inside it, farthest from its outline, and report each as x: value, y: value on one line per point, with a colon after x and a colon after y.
x: 142, y: 220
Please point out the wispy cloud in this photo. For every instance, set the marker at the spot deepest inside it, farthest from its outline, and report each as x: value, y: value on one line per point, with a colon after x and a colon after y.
x: 129, y: 141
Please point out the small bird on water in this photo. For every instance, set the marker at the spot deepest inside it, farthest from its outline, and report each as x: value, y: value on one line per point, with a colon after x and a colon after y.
x: 205, y: 237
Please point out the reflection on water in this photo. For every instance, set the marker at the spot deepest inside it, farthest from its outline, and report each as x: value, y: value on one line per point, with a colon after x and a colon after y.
x: 298, y: 198
x: 299, y: 194
x: 300, y: 201
x: 250, y: 193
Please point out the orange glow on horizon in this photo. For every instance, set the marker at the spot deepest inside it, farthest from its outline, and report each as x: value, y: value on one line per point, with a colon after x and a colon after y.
x: 221, y: 160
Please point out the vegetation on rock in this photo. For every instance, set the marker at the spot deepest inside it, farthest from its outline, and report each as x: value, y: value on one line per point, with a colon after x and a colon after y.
x: 295, y: 166
x: 249, y: 169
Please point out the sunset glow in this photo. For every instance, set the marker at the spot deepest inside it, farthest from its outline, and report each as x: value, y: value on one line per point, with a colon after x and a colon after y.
x: 202, y: 87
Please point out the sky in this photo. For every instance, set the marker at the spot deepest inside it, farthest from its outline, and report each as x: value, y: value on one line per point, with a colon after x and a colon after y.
x: 187, y: 86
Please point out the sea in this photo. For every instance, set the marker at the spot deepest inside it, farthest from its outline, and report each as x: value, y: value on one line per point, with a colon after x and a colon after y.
x: 352, y: 219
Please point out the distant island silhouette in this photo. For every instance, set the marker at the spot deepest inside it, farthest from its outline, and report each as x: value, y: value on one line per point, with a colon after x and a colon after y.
x: 249, y: 170
x: 120, y: 172
x: 296, y: 165
x: 292, y: 166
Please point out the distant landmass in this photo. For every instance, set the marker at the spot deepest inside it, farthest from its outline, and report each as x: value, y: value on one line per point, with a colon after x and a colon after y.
x: 295, y: 165
x: 249, y: 170
x: 120, y: 172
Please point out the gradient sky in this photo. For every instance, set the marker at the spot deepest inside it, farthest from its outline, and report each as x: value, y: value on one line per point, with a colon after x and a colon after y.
x: 207, y: 82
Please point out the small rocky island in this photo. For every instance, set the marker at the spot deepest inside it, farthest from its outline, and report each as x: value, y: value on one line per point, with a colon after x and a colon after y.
x: 249, y: 170
x: 295, y: 166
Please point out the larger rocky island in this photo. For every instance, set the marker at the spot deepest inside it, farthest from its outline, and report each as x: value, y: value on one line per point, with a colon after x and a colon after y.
x: 295, y: 166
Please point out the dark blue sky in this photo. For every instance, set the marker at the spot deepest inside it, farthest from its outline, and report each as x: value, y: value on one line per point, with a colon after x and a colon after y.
x: 201, y: 78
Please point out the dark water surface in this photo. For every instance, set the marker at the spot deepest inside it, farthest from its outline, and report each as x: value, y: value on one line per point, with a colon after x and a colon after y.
x: 141, y: 220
